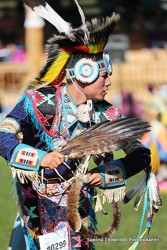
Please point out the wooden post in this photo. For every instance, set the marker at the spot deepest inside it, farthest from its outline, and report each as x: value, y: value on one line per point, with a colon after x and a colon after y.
x: 34, y: 41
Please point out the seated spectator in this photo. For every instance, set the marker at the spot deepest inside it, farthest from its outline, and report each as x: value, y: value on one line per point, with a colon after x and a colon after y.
x: 130, y: 107
x: 16, y: 53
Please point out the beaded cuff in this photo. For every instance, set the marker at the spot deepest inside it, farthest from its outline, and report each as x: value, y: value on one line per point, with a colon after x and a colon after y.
x: 26, y: 157
x: 113, y: 174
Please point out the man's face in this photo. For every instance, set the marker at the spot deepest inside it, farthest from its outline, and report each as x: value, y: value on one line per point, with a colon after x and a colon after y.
x: 98, y: 89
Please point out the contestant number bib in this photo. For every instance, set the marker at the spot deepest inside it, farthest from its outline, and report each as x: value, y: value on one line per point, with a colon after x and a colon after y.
x: 54, y: 241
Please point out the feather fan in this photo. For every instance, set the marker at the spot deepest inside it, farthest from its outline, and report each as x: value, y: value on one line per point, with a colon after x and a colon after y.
x: 106, y: 137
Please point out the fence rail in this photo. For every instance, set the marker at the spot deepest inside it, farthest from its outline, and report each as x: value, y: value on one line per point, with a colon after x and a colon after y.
x: 12, y: 75
x: 135, y: 77
x: 130, y: 76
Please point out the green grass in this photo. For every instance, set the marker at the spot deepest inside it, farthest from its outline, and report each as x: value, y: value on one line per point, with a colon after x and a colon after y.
x: 128, y: 228
x: 7, y: 205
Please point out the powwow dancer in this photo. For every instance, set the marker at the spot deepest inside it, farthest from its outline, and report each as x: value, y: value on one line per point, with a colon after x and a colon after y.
x: 62, y: 124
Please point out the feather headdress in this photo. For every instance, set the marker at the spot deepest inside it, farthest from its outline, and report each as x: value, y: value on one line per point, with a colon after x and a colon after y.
x: 91, y: 38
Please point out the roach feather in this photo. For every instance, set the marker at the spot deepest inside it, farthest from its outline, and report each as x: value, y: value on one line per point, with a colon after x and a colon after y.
x: 35, y: 3
x: 43, y: 9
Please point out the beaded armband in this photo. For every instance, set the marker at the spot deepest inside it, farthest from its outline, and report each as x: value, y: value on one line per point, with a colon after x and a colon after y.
x: 113, y: 174
x: 26, y: 157
x: 113, y: 181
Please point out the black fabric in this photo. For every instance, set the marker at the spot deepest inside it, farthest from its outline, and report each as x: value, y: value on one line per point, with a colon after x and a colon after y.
x: 44, y: 107
x: 137, y: 160
x: 30, y: 140
x: 28, y: 198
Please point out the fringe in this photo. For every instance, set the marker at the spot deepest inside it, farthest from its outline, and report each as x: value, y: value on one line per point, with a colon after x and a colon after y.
x: 24, y: 175
x: 116, y: 194
x: 98, y: 205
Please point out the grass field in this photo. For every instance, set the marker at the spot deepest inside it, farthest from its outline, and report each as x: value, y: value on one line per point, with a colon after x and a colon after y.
x: 128, y: 229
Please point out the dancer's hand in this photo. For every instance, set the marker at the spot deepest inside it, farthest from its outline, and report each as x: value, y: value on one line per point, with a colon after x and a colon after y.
x: 95, y: 178
x: 52, y: 160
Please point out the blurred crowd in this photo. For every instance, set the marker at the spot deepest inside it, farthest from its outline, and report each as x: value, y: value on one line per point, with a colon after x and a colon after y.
x: 12, y: 53
x: 155, y: 112
x: 157, y: 138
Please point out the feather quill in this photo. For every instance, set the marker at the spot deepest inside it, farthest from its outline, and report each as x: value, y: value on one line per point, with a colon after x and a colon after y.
x: 154, y: 192
x: 84, y: 25
x: 43, y: 9
x: 131, y: 193
x: 140, y: 188
x: 139, y: 197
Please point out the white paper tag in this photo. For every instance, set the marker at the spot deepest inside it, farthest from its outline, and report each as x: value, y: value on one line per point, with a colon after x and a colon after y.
x: 54, y: 241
